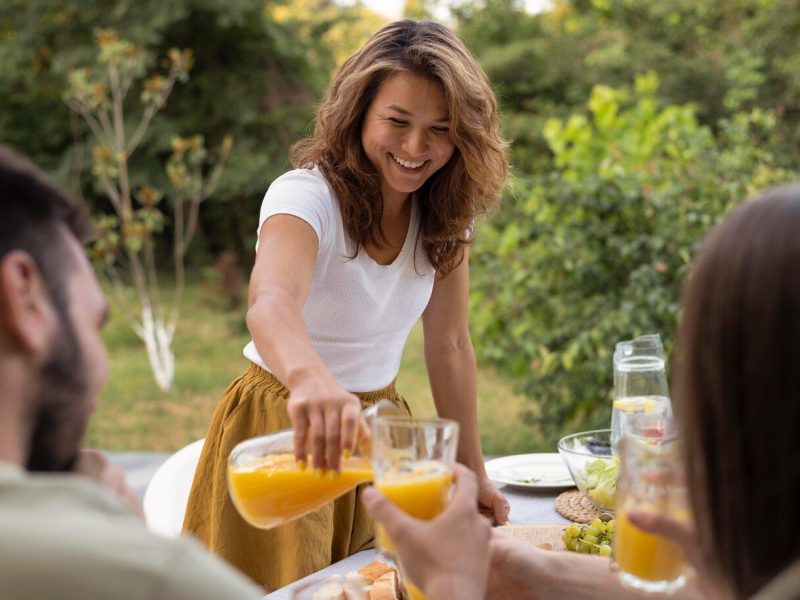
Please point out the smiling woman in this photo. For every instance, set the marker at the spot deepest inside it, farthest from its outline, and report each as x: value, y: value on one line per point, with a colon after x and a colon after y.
x: 367, y: 234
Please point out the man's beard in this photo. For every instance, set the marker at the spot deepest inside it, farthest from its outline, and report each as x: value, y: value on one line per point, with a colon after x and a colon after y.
x: 59, y: 405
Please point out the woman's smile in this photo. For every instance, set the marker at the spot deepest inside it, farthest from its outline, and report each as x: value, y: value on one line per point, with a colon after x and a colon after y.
x: 406, y: 133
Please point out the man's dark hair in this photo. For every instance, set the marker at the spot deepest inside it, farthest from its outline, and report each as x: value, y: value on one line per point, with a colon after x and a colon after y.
x: 33, y: 212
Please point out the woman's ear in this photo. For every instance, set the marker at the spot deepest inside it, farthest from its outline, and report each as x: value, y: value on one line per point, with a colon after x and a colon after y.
x: 28, y: 320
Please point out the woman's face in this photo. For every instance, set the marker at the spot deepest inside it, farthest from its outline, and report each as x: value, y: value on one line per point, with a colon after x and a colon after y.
x: 406, y: 133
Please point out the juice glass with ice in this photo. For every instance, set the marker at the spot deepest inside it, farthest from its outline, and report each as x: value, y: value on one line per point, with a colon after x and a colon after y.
x: 651, y: 478
x: 413, y: 462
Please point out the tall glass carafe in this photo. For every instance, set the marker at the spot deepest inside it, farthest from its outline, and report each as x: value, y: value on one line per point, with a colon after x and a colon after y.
x: 640, y: 382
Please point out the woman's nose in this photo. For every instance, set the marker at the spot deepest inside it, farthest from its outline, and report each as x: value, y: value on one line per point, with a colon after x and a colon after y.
x: 416, y: 142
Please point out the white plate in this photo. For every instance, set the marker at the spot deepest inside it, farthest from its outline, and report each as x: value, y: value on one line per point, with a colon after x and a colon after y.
x: 545, y: 471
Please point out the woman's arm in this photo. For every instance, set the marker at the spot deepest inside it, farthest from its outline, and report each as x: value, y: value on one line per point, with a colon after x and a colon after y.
x: 319, y: 408
x: 450, y: 361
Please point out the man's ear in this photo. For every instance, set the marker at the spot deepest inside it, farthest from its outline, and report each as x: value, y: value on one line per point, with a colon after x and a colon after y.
x: 27, y: 316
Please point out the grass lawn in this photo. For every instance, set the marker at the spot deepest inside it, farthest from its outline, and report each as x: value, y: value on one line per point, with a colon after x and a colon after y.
x: 135, y: 415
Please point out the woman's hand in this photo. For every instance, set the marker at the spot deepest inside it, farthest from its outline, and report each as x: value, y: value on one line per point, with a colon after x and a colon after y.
x: 491, y: 503
x: 94, y: 465
x: 680, y: 532
x: 448, y: 556
x: 324, y: 416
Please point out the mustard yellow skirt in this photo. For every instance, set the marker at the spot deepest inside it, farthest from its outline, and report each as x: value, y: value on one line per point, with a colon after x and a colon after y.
x: 255, y: 404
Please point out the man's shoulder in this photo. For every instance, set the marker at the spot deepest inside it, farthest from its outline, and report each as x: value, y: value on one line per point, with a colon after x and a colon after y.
x: 58, y: 535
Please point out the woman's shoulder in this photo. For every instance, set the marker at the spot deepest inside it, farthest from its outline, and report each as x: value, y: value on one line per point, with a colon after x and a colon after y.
x: 305, y: 177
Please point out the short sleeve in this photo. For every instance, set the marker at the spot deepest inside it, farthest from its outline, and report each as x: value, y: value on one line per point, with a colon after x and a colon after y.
x: 302, y: 193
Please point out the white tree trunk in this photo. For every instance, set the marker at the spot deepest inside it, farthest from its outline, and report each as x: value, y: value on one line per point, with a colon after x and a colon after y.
x: 157, y: 339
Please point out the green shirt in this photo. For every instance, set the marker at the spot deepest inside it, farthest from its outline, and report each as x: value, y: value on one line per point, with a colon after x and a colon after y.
x: 62, y: 536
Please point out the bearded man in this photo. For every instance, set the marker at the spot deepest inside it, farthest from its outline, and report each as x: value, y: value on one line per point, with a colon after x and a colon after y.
x: 68, y: 523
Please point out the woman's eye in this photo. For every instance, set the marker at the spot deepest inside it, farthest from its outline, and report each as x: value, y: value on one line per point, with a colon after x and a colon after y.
x: 398, y: 122
x: 440, y: 129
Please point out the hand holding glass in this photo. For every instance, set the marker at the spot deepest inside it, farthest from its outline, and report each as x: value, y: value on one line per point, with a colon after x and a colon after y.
x: 651, y: 479
x: 413, y: 462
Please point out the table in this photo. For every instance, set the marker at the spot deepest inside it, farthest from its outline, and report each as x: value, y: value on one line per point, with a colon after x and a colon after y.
x: 527, y: 508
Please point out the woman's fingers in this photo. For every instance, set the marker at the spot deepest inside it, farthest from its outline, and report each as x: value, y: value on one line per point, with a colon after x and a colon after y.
x: 332, y: 438
x: 299, y: 418
x: 324, y: 425
x: 316, y: 432
x: 679, y: 531
x: 349, y: 425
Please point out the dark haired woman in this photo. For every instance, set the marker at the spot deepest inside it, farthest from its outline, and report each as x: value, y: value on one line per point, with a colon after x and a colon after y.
x: 367, y: 234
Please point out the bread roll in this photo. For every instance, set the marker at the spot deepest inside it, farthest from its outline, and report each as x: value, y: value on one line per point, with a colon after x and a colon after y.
x: 374, y: 570
x: 386, y: 587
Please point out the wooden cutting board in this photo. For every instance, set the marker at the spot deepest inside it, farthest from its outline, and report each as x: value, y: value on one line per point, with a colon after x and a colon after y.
x: 536, y: 534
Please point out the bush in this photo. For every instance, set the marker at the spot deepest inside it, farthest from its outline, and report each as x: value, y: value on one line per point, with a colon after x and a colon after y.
x: 595, y: 251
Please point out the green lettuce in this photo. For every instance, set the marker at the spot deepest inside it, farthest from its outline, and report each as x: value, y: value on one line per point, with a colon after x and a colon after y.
x: 600, y: 481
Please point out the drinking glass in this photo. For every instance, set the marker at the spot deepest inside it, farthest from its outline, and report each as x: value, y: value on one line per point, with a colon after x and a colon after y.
x: 270, y: 488
x: 640, y: 382
x: 413, y: 461
x: 652, y: 479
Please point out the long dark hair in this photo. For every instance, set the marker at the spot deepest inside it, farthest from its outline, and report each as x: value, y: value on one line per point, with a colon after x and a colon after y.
x: 466, y: 186
x: 737, y: 391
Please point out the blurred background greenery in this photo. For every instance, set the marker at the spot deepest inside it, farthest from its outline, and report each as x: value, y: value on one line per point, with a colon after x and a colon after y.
x: 635, y: 125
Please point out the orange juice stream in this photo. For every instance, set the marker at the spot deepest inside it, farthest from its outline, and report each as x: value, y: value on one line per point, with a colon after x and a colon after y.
x: 645, y: 555
x: 273, y: 490
x: 423, y: 492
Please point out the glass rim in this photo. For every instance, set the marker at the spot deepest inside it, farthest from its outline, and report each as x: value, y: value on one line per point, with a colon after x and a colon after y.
x: 640, y: 363
x: 564, y: 440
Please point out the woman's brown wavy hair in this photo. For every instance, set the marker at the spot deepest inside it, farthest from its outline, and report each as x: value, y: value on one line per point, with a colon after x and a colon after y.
x: 737, y: 391
x: 470, y: 182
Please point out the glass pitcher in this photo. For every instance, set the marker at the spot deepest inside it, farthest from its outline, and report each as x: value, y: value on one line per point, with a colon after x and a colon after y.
x: 640, y: 382
x: 270, y: 488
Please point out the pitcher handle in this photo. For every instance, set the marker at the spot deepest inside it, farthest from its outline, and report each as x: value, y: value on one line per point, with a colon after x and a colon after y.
x: 381, y: 408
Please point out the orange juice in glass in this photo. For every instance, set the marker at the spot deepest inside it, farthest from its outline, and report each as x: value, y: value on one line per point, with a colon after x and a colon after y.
x: 644, y: 555
x: 413, y: 461
x: 422, y: 489
x: 651, y: 479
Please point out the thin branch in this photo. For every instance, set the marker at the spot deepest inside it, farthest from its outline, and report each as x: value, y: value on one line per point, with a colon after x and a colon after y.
x: 113, y: 194
x: 150, y: 112
x: 122, y: 295
x: 83, y: 109
x: 179, y: 251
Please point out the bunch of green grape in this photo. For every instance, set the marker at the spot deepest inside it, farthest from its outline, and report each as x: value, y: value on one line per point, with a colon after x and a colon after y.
x: 595, y: 538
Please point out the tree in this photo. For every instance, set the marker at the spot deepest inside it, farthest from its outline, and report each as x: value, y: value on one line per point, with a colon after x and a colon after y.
x: 126, y: 244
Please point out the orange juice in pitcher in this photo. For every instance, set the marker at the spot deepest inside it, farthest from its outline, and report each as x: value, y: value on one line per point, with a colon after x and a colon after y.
x: 272, y: 490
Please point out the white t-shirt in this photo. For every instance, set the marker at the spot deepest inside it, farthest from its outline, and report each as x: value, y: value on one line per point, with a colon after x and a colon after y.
x: 358, y: 313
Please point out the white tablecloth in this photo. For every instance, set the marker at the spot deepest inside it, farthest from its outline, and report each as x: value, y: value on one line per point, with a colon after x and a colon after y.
x: 526, y: 509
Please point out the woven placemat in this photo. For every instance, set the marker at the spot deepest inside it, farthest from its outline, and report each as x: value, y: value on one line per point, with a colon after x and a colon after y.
x: 575, y: 506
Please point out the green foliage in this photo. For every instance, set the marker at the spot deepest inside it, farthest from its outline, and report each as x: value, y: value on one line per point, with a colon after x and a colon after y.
x: 595, y: 251
x: 254, y: 77
x: 724, y: 56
